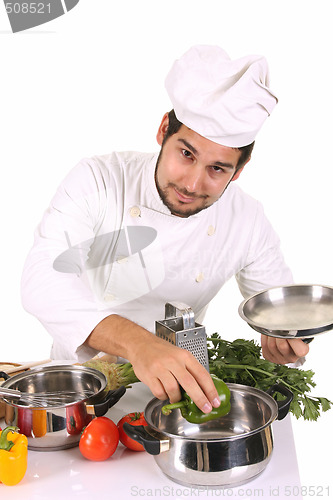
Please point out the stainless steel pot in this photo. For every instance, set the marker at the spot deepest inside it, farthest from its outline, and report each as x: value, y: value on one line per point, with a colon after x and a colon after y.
x: 59, y: 427
x: 228, y: 451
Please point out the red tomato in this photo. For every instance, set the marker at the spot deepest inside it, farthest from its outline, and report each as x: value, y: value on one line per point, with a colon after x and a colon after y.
x: 99, y: 439
x: 135, y: 418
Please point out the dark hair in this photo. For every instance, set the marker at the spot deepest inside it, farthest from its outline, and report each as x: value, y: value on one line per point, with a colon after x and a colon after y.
x: 175, y: 124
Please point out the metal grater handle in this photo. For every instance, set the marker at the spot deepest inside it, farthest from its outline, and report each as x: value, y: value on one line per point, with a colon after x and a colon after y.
x: 171, y: 309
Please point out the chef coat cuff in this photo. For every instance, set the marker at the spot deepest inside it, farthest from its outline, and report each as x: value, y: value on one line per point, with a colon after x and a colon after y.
x: 297, y: 363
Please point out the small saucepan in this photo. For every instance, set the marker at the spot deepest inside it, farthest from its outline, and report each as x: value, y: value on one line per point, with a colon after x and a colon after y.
x: 58, y: 426
x: 228, y: 451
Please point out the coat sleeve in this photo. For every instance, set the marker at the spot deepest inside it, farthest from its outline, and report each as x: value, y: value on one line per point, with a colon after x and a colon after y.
x: 265, y: 266
x: 54, y: 285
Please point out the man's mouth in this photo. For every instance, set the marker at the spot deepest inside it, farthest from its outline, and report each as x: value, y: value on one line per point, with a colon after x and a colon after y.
x: 185, y: 198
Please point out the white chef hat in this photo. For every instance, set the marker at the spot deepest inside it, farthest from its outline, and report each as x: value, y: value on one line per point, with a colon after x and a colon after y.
x: 223, y: 100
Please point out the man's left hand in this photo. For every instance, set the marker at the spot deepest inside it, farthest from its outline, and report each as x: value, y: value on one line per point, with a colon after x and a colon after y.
x: 283, y: 351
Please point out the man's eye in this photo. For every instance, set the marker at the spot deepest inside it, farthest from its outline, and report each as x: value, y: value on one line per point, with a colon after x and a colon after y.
x: 186, y: 153
x: 217, y: 169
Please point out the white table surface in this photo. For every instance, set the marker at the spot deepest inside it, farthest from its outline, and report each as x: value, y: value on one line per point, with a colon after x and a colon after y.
x: 66, y: 474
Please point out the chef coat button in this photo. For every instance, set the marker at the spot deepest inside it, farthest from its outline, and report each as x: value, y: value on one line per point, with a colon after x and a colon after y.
x: 199, y: 278
x: 211, y: 230
x: 135, y: 212
x: 109, y: 297
x: 122, y: 259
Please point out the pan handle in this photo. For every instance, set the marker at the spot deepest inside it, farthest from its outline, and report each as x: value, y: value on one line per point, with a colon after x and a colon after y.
x: 284, y: 405
x: 110, y: 399
x: 151, y: 444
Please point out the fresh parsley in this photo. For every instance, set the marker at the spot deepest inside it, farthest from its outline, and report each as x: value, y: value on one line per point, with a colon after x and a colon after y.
x: 241, y: 362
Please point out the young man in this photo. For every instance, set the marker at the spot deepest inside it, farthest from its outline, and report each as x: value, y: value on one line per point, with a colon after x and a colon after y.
x: 128, y: 232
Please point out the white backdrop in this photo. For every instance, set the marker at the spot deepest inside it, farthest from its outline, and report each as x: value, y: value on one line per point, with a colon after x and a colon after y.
x: 92, y: 81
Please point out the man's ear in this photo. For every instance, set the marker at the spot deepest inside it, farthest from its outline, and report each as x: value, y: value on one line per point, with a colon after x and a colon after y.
x: 237, y: 174
x: 162, y: 129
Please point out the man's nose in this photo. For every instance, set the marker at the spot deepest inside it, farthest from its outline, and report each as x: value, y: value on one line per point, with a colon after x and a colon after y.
x: 193, y: 179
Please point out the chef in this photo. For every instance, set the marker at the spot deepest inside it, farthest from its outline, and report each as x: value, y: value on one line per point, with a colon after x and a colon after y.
x: 128, y: 232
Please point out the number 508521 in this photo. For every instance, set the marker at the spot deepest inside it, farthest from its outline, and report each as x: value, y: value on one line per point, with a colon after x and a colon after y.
x: 28, y: 8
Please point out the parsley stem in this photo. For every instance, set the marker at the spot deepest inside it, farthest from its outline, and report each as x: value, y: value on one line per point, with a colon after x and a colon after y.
x: 250, y: 375
x: 247, y: 367
x: 268, y: 374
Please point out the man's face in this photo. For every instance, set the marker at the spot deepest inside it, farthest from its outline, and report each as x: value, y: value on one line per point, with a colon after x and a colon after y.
x: 192, y: 172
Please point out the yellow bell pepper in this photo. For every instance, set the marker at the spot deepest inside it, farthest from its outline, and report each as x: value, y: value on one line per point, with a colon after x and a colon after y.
x: 13, y: 456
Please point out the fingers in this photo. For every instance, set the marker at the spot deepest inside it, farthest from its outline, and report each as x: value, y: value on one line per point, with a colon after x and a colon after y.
x: 201, y: 387
x: 282, y: 351
x: 157, y: 388
x: 168, y: 387
x: 187, y: 372
x: 299, y: 347
x: 165, y: 368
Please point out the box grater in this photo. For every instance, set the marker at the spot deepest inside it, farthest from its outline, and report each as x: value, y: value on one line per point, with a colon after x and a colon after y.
x: 182, y: 331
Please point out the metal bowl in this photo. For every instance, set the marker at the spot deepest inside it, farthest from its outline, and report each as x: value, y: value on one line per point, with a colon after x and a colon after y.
x: 82, y: 383
x: 227, y: 451
x: 59, y: 426
x: 293, y: 311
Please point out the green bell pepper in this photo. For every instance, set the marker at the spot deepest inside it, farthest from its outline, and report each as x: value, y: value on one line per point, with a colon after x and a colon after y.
x: 193, y: 414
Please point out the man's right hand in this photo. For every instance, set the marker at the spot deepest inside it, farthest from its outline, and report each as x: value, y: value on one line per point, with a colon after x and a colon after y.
x: 165, y: 367
x: 160, y: 365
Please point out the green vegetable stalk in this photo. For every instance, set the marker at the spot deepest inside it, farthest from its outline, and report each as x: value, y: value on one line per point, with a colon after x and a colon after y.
x: 193, y: 414
x: 116, y: 374
x: 240, y: 362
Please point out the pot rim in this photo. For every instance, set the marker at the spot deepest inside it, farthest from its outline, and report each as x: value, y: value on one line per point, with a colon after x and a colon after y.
x: 54, y: 368
x: 233, y: 387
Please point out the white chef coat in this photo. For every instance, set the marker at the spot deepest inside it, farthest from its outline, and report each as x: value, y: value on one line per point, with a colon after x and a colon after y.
x: 108, y: 245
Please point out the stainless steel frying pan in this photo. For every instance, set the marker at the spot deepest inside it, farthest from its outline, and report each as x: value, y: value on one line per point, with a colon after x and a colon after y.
x: 293, y: 311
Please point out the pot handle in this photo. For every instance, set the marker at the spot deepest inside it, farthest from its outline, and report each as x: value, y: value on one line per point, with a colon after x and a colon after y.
x: 110, y: 399
x: 284, y: 405
x: 4, y: 375
x: 138, y: 432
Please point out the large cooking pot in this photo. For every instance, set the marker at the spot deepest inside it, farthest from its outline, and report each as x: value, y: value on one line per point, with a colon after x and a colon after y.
x: 58, y: 425
x: 227, y: 451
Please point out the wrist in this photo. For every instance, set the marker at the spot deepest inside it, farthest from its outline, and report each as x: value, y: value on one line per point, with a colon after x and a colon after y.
x: 119, y: 336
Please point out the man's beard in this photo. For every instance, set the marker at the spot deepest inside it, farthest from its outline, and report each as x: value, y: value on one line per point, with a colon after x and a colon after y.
x: 174, y: 209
